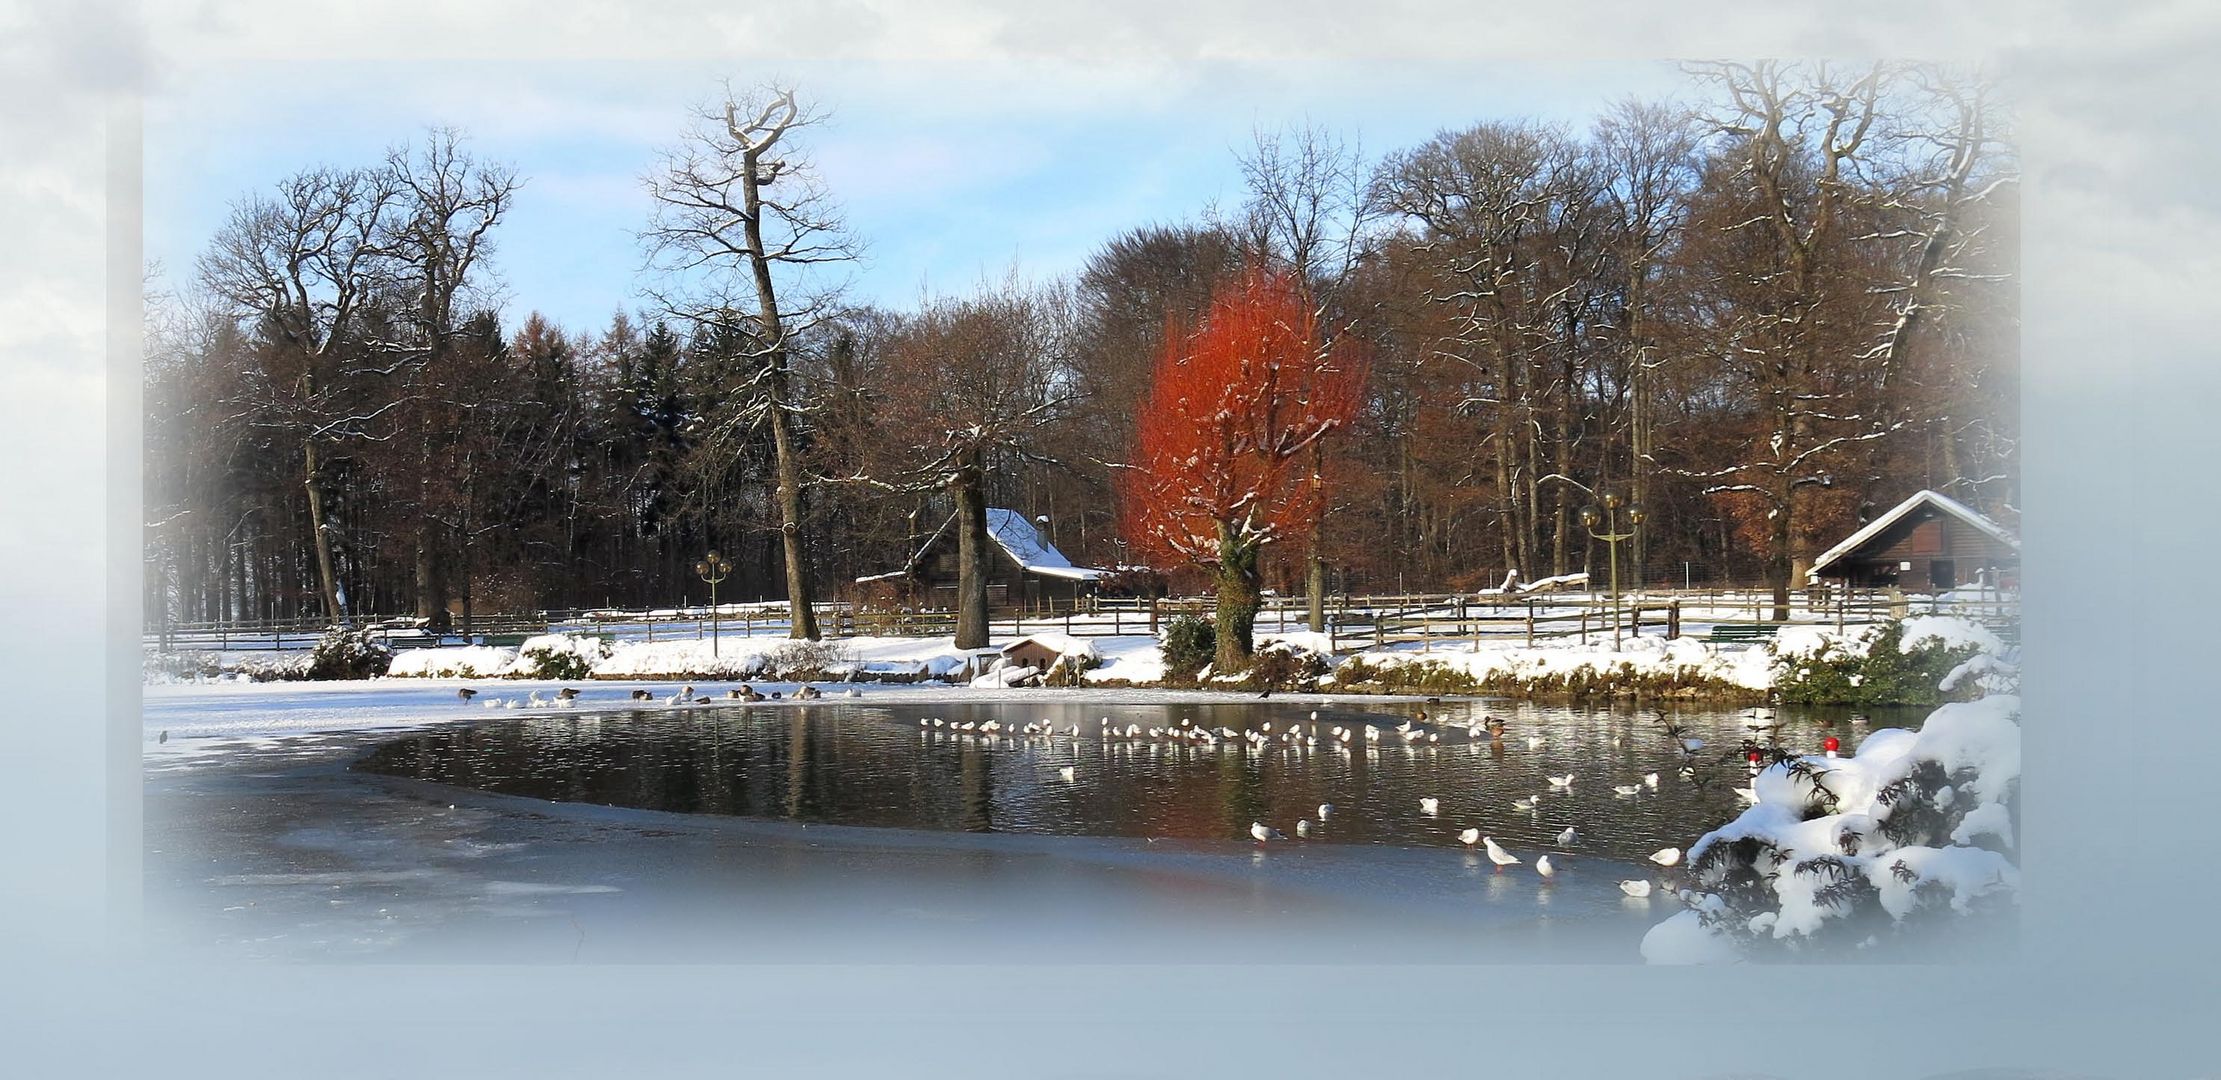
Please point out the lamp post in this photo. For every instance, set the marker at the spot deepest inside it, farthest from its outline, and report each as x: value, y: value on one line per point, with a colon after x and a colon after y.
x: 713, y: 568
x: 1612, y: 536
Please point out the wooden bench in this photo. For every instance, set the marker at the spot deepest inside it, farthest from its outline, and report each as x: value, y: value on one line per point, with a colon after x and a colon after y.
x: 1743, y: 632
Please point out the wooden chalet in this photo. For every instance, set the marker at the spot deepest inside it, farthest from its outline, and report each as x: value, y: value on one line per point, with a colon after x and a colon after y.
x: 1024, y: 570
x: 1928, y: 543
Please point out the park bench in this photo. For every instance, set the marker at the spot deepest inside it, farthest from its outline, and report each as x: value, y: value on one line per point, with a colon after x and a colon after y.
x: 1743, y: 632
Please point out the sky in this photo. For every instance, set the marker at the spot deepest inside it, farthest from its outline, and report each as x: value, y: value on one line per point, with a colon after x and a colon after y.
x: 949, y: 172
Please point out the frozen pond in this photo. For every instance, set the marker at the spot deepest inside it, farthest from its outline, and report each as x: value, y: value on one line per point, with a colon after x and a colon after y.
x: 876, y: 765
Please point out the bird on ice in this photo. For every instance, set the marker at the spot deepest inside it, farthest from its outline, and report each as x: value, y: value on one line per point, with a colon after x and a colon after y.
x: 1637, y: 889
x: 1258, y: 830
x: 1429, y: 805
x: 465, y: 694
x: 1303, y: 827
x: 1666, y: 856
x: 162, y: 738
x: 1568, y: 838
x: 1470, y: 837
x: 1543, y: 867
x: 1650, y: 779
x: 1325, y: 808
x: 1498, y: 855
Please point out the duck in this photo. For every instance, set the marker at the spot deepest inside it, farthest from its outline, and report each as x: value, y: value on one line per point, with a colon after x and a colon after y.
x: 1497, y: 855
x: 1636, y: 889
x: 465, y: 694
x: 568, y: 693
x: 1666, y: 856
x: 643, y: 695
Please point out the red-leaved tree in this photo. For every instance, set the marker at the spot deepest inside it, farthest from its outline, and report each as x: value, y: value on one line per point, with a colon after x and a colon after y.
x: 1223, y: 459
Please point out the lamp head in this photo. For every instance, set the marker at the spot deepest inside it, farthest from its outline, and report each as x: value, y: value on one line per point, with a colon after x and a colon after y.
x: 1590, y: 516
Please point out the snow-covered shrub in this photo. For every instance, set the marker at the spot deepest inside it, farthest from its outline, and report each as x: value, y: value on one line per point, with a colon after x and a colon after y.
x: 347, y: 654
x: 810, y: 661
x: 1190, y: 642
x: 1287, y: 665
x: 1071, y: 667
x: 1422, y: 676
x: 452, y: 662
x: 1894, y: 845
x: 559, y: 656
x: 1894, y: 663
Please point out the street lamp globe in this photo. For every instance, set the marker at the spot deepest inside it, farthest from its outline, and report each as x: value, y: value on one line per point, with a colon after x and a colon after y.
x: 1590, y: 516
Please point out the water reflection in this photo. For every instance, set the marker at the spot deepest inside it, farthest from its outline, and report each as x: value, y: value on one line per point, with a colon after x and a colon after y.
x: 875, y: 765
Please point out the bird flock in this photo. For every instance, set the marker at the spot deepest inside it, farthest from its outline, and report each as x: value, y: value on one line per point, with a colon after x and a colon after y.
x: 1297, y: 737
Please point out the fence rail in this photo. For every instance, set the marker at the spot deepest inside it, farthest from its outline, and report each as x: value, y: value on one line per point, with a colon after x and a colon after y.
x: 1353, y: 622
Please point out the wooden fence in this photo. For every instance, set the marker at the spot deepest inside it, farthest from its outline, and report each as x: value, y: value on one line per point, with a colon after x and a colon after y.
x: 1353, y: 622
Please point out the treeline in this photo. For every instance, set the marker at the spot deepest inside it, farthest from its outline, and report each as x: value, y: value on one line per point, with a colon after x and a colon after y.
x: 1765, y: 318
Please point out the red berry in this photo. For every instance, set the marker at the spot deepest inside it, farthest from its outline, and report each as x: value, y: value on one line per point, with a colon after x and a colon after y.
x: 1831, y: 744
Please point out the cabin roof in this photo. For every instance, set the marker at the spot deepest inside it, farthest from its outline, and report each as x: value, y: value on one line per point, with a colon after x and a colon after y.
x: 1877, y: 526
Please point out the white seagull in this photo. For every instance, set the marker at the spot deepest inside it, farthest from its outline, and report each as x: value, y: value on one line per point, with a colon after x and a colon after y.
x: 1560, y: 781
x: 1650, y: 779
x: 1258, y: 830
x: 1470, y: 837
x: 1429, y: 805
x: 1066, y: 772
x: 1543, y: 867
x: 1568, y: 838
x: 1628, y: 789
x: 1637, y: 889
x: 1498, y: 855
x: 1325, y: 808
x: 1666, y: 856
x: 1303, y: 827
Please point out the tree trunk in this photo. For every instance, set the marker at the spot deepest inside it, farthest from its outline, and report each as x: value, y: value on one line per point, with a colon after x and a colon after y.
x: 1240, y: 596
x: 971, y: 555
x: 1314, y: 586
x: 1778, y: 562
x: 801, y: 620
x: 326, y: 579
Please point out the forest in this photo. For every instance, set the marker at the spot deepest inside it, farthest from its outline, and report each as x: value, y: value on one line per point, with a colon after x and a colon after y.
x: 1765, y: 314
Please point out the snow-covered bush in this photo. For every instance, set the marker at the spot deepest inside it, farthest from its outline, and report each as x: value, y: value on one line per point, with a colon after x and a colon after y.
x: 347, y: 654
x: 1895, y: 844
x: 1287, y: 665
x: 1894, y: 663
x: 452, y: 662
x: 559, y: 656
x: 810, y: 661
x: 1190, y: 642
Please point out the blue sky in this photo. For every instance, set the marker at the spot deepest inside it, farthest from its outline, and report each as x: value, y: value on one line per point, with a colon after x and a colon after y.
x: 948, y: 171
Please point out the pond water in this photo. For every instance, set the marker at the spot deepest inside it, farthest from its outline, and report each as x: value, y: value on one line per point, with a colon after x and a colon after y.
x: 875, y: 765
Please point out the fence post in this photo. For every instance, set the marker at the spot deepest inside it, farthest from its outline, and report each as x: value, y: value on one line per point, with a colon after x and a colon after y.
x: 1530, y: 623
x: 1673, y: 618
x: 1152, y: 616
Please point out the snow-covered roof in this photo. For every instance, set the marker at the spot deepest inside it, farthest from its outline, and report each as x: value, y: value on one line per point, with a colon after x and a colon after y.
x: 1874, y: 528
x: 1018, y: 538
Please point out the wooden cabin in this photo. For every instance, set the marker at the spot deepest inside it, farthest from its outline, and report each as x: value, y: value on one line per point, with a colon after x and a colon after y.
x: 1024, y: 571
x: 1928, y: 543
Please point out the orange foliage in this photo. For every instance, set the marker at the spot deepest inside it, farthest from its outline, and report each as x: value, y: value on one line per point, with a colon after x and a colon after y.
x: 1234, y: 411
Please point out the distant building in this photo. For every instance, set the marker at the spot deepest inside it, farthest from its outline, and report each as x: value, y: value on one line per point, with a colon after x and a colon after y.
x: 1024, y: 570
x: 1928, y: 543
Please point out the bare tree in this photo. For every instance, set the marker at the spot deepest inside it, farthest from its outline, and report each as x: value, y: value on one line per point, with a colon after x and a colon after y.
x: 448, y: 206
x: 742, y: 225
x: 964, y: 383
x: 302, y: 265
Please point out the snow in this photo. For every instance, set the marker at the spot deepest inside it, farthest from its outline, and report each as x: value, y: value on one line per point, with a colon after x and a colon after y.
x: 1685, y: 657
x: 1683, y: 939
x: 460, y: 661
x: 1982, y: 736
x: 1019, y: 540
